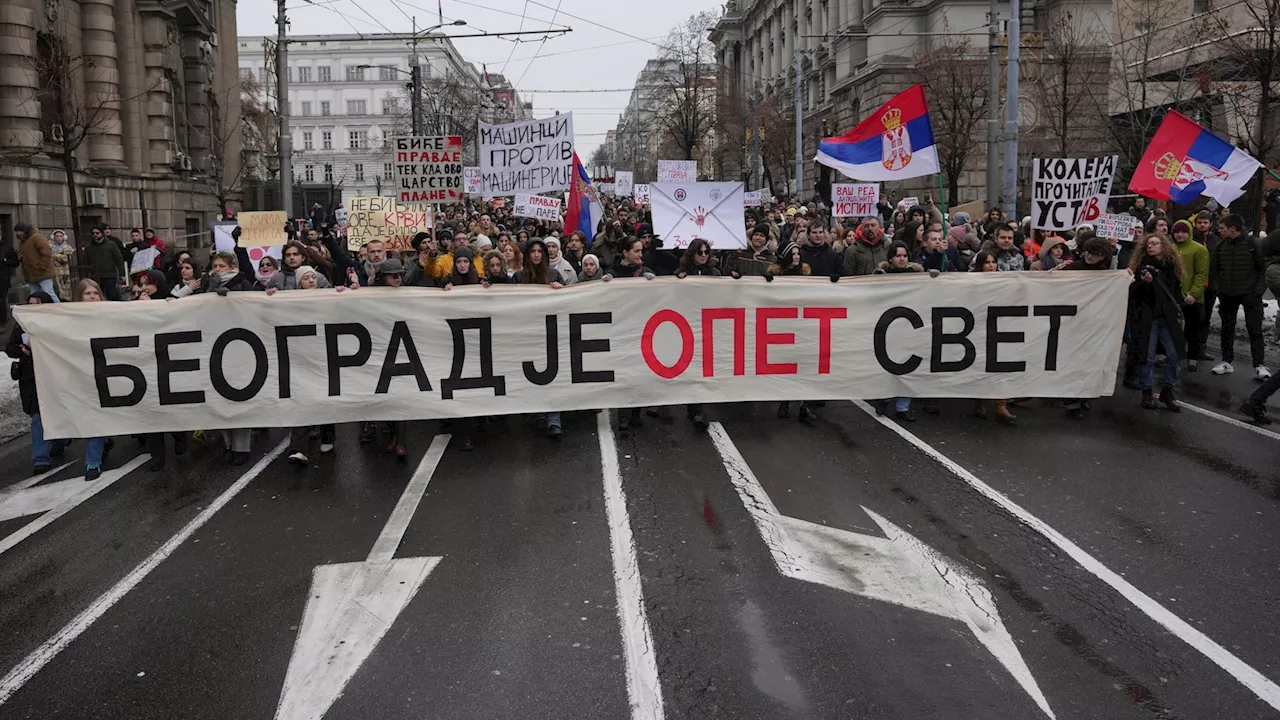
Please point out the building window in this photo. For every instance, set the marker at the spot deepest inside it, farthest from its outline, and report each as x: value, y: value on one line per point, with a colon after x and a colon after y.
x: 386, y: 72
x: 328, y: 173
x: 387, y: 171
x: 306, y: 140
x: 324, y: 107
x: 355, y: 73
x: 306, y: 107
x: 246, y: 73
x: 1142, y: 27
x: 1199, y: 7
x: 359, y: 172
x: 309, y: 172
x: 289, y: 72
x: 358, y: 139
x: 323, y: 74
x: 326, y: 138
x: 356, y: 107
x: 304, y: 74
x: 388, y: 104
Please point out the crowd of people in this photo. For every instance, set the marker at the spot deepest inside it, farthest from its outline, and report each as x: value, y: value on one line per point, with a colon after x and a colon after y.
x: 1180, y: 271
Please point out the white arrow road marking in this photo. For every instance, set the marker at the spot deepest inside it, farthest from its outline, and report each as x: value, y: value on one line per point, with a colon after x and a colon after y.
x: 42, y: 655
x: 57, y: 498
x: 1260, y: 684
x: 34, y: 480
x: 643, y: 689
x: 352, y: 605
x: 897, y: 569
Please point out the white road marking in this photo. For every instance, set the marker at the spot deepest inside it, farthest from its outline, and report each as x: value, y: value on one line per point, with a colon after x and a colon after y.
x: 898, y: 568
x: 35, y: 500
x: 1231, y: 421
x: 72, y: 499
x: 41, y: 656
x: 34, y: 480
x: 1263, y: 687
x: 643, y: 688
x: 351, y: 606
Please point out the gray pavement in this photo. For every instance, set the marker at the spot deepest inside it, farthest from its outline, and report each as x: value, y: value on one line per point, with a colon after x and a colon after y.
x: 526, y: 614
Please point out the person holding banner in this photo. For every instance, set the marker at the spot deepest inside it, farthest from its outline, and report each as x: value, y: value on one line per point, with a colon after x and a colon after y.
x: 630, y: 265
x: 430, y: 269
x: 1155, y: 310
x: 697, y: 261
x: 556, y: 261
x: 898, y: 262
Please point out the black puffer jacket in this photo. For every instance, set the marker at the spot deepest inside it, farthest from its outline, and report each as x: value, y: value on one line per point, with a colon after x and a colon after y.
x: 1237, y: 267
x: 822, y: 260
x: 1156, y: 300
x: 24, y: 371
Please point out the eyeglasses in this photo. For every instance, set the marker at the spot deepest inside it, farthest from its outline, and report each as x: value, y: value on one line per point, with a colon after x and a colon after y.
x: 703, y: 251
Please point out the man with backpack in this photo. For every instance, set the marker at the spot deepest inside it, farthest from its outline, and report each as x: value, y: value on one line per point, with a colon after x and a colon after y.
x: 1237, y: 275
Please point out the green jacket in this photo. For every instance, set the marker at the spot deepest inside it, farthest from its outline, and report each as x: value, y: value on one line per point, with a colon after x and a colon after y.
x: 1195, y: 268
x: 863, y: 259
x: 104, y: 260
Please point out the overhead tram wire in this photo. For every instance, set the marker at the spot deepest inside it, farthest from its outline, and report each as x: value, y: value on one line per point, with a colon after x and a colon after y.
x: 578, y: 50
x: 541, y: 45
x: 511, y: 54
x: 346, y: 18
x: 482, y: 7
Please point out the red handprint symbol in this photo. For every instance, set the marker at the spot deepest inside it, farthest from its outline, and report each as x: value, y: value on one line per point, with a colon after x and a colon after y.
x: 699, y: 216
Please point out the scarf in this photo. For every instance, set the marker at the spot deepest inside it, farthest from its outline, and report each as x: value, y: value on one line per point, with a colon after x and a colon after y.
x: 264, y: 279
x: 226, y: 277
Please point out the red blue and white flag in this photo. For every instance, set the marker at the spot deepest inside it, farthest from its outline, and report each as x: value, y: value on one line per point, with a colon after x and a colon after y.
x: 1185, y: 161
x: 895, y: 143
x: 584, y: 210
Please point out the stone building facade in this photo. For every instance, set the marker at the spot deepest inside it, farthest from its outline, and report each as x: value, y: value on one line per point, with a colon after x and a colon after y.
x: 150, y: 86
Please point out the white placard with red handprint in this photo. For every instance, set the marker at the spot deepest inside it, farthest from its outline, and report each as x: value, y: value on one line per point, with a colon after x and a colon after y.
x: 712, y: 211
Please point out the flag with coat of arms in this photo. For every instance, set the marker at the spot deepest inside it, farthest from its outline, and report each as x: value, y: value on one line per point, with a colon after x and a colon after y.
x: 583, y: 209
x: 1185, y: 161
x: 894, y: 143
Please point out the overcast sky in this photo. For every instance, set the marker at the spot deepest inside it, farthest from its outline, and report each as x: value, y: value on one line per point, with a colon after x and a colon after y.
x: 605, y: 51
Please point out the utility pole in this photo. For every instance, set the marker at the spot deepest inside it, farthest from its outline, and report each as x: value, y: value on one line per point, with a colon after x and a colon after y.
x: 285, y: 144
x: 415, y: 75
x: 1010, y: 203
x: 755, y: 137
x: 993, y: 107
x: 799, y: 129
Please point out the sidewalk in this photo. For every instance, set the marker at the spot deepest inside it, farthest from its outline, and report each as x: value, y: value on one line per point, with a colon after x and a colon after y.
x: 1243, y: 359
x: 13, y: 422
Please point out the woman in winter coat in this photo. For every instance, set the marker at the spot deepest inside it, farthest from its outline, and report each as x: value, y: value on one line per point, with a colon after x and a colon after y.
x: 591, y: 269
x: 63, y: 255
x: 224, y: 277
x: 986, y: 261
x: 24, y: 371
x: 495, y: 266
x: 1053, y: 255
x: 697, y: 261
x: 537, y: 271
x: 630, y: 264
x: 899, y: 261
x: 1155, y: 310
x: 464, y: 273
x: 789, y: 263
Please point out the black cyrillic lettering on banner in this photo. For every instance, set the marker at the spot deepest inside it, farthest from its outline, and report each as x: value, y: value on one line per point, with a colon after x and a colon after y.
x: 400, y: 335
x: 941, y: 338
x: 881, y: 343
x: 335, y: 361
x: 995, y: 337
x: 487, y: 379
x: 1055, y: 313
x: 283, y: 333
x: 219, y: 378
x: 578, y: 347
x: 167, y: 366
x: 553, y: 357
x: 102, y: 372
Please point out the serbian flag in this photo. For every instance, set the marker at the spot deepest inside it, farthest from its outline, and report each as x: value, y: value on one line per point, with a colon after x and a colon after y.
x: 1185, y: 161
x: 895, y: 143
x: 584, y: 209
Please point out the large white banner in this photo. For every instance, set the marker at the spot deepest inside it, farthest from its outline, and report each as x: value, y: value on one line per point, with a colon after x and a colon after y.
x: 677, y: 171
x: 316, y: 356
x: 539, y: 207
x: 1068, y: 192
x: 625, y: 183
x: 711, y: 211
x: 533, y: 156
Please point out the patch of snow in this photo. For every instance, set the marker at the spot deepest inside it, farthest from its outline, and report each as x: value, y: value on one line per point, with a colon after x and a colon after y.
x: 13, y: 422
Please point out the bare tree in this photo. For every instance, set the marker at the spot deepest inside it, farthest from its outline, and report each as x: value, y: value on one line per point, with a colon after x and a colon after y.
x: 778, y: 155
x: 955, y: 81
x: 451, y: 106
x: 221, y: 179
x: 601, y: 157
x: 1072, y: 86
x: 686, y: 96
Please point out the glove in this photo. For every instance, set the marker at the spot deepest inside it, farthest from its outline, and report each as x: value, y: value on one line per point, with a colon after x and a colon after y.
x: 649, y: 276
x: 222, y: 292
x: 607, y: 277
x: 768, y: 277
x: 835, y: 277
x: 934, y: 273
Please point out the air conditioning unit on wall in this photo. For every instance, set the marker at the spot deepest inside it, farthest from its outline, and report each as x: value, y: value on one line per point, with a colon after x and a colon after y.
x: 95, y: 196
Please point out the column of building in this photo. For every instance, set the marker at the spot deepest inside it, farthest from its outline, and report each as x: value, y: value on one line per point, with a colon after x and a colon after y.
x: 158, y: 37
x: 102, y: 82
x: 19, y: 80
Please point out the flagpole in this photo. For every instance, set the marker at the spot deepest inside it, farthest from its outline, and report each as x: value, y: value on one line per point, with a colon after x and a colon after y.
x: 942, y: 198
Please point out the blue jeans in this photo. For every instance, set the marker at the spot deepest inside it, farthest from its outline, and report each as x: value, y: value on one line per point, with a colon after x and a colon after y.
x: 901, y: 404
x: 1160, y: 336
x: 45, y: 285
x: 40, y: 448
x: 553, y: 419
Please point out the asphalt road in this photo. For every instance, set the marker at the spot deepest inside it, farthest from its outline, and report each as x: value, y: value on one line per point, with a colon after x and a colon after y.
x: 1131, y: 558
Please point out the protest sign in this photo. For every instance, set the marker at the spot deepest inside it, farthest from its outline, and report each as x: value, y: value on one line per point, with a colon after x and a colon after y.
x: 607, y: 188
x: 429, y: 169
x: 910, y: 202
x: 1067, y: 192
x: 222, y: 240
x: 144, y: 260
x: 677, y: 171
x: 471, y: 179
x: 642, y: 193
x: 311, y: 357
x: 625, y: 181
x: 1119, y: 226
x: 532, y: 156
x: 854, y: 199
x: 539, y: 207
x: 263, y: 228
x: 711, y: 211
x: 751, y: 199
x: 975, y: 210
x: 384, y: 219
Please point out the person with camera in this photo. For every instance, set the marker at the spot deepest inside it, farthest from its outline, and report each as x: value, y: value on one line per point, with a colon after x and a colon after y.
x: 1155, y: 310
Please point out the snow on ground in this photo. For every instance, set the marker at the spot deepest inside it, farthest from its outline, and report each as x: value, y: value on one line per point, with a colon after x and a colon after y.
x: 13, y: 422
